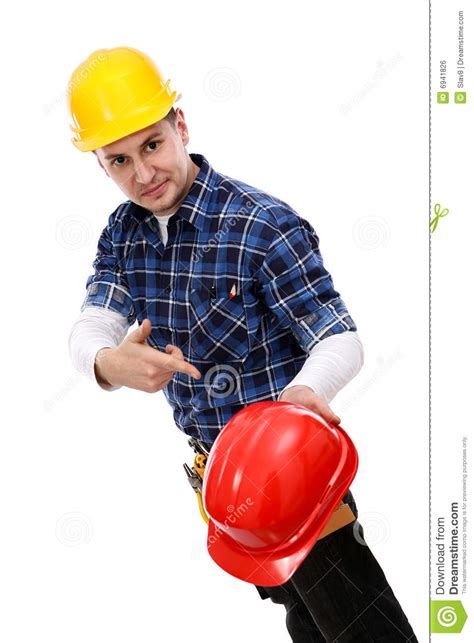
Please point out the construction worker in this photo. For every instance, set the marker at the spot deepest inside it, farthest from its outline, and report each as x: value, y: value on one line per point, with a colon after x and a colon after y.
x: 234, y: 306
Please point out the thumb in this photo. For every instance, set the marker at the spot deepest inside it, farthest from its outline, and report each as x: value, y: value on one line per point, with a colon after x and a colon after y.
x: 327, y: 413
x: 331, y: 416
x: 175, y: 351
x: 139, y: 335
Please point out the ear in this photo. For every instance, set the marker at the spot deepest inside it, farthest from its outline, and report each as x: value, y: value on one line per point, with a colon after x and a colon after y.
x: 100, y: 163
x: 182, y: 126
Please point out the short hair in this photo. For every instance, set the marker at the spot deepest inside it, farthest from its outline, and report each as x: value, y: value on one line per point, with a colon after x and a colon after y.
x: 171, y: 117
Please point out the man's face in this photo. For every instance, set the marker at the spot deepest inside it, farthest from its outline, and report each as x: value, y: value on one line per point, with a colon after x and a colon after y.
x: 152, y: 166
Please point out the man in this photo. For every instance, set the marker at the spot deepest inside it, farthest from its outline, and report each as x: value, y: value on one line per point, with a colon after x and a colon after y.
x: 234, y: 304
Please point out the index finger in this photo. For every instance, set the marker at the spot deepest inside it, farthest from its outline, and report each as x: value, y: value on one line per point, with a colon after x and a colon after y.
x: 179, y: 364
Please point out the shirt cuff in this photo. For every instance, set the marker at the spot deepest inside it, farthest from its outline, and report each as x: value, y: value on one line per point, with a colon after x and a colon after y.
x: 86, y: 365
x: 106, y: 387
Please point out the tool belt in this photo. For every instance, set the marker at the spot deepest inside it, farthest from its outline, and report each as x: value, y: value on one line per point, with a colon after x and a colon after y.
x: 341, y: 516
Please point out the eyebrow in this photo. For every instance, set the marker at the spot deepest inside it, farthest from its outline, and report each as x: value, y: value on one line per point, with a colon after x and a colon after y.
x: 107, y: 157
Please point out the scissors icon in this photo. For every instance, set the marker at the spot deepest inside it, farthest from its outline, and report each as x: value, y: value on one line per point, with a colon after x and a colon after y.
x: 439, y: 214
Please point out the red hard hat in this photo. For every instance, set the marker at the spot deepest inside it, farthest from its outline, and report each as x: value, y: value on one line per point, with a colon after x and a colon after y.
x: 274, y: 476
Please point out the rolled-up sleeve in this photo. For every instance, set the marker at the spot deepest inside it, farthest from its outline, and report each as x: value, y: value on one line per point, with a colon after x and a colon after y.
x: 107, y: 287
x: 297, y: 288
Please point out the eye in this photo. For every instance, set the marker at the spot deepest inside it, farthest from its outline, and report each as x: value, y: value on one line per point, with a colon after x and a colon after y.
x: 119, y: 158
x: 153, y: 145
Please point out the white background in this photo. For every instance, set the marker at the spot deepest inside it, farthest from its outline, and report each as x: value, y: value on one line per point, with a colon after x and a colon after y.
x: 321, y: 104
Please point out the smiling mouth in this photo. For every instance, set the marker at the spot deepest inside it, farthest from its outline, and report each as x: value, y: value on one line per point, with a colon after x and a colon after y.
x: 155, y: 189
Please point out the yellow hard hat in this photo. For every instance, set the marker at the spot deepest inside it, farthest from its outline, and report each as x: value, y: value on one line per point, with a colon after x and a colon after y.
x: 114, y: 93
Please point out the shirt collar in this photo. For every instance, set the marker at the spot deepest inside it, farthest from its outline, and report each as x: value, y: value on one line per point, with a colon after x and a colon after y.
x: 195, y: 203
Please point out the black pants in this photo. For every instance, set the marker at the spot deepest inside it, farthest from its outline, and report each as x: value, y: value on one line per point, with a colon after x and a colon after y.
x: 340, y: 593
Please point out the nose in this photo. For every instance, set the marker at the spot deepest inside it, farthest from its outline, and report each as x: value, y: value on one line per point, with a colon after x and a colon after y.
x: 144, y: 173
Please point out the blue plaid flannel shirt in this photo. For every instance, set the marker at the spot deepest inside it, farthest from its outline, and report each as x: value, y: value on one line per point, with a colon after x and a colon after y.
x: 226, y: 236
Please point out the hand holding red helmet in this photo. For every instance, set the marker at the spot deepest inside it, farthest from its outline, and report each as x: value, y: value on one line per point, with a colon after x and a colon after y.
x: 305, y: 396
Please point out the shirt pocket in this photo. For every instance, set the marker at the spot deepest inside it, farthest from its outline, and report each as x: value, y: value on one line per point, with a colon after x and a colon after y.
x: 219, y: 330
